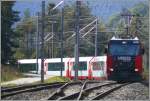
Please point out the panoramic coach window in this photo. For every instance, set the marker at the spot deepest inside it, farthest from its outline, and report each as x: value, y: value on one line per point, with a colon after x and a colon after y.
x: 55, y: 66
x: 82, y: 66
x: 98, y: 65
x: 27, y: 67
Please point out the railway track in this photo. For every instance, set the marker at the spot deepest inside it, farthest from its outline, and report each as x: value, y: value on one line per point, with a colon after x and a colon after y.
x: 65, y: 90
x: 48, y: 91
x: 19, y: 87
x: 105, y: 93
x: 79, y: 90
x: 28, y: 88
x: 85, y: 89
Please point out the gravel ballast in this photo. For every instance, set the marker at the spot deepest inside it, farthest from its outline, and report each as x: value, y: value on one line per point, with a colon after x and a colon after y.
x: 134, y: 91
x: 35, y: 95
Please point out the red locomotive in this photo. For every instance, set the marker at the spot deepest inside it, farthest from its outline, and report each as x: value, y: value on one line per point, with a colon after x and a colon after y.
x: 124, y: 59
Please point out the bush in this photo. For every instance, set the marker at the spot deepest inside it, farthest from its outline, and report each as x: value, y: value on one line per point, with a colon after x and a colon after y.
x: 9, y: 73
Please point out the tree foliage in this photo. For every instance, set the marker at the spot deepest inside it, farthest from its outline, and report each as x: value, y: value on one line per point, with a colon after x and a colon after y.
x: 69, y: 30
x: 26, y: 28
x: 8, y: 36
x: 86, y: 43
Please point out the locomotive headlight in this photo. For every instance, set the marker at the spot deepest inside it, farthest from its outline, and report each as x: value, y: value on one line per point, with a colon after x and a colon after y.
x: 111, y: 69
x: 136, y: 70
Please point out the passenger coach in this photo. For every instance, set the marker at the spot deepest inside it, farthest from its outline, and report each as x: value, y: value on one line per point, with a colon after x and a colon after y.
x: 89, y: 67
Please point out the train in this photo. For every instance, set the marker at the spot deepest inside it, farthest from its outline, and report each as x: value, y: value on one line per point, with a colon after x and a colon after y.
x: 88, y: 68
x: 122, y: 62
x: 124, y: 59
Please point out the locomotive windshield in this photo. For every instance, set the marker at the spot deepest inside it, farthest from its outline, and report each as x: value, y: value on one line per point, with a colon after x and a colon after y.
x: 124, y: 49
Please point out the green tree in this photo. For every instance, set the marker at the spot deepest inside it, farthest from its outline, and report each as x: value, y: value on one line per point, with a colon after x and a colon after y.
x: 69, y: 29
x: 27, y: 29
x: 85, y: 18
x: 52, y: 24
x: 8, y: 36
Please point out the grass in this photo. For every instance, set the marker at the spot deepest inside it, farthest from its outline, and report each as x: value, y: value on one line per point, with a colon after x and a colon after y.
x: 9, y: 73
x: 146, y: 74
x: 57, y: 79
x: 49, y: 80
x: 9, y: 85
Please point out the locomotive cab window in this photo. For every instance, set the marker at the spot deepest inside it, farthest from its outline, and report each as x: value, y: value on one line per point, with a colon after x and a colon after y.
x: 124, y: 49
x: 27, y: 67
x: 55, y: 66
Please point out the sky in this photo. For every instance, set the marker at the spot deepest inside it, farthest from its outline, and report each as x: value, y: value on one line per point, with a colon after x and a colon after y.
x: 99, y: 8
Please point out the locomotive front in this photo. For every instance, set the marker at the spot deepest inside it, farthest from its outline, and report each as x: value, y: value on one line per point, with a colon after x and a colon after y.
x: 124, y: 59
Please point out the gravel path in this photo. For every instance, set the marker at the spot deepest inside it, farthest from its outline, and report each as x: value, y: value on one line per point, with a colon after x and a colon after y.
x: 26, y: 80
x: 135, y: 91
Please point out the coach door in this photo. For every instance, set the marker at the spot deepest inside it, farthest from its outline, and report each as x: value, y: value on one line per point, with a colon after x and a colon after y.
x: 71, y: 73
x: 69, y: 69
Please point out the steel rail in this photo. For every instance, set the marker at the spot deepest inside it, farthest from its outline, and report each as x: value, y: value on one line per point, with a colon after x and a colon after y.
x: 3, y: 95
x: 99, y: 96
x: 79, y: 94
x: 14, y: 88
x: 83, y: 87
x: 59, y: 91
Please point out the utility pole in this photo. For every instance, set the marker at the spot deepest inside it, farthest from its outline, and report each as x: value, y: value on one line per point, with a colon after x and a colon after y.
x: 62, y: 32
x: 52, y: 40
x: 42, y: 37
x: 128, y: 17
x: 49, y: 52
x: 37, y: 43
x: 77, y: 40
x: 96, y: 38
